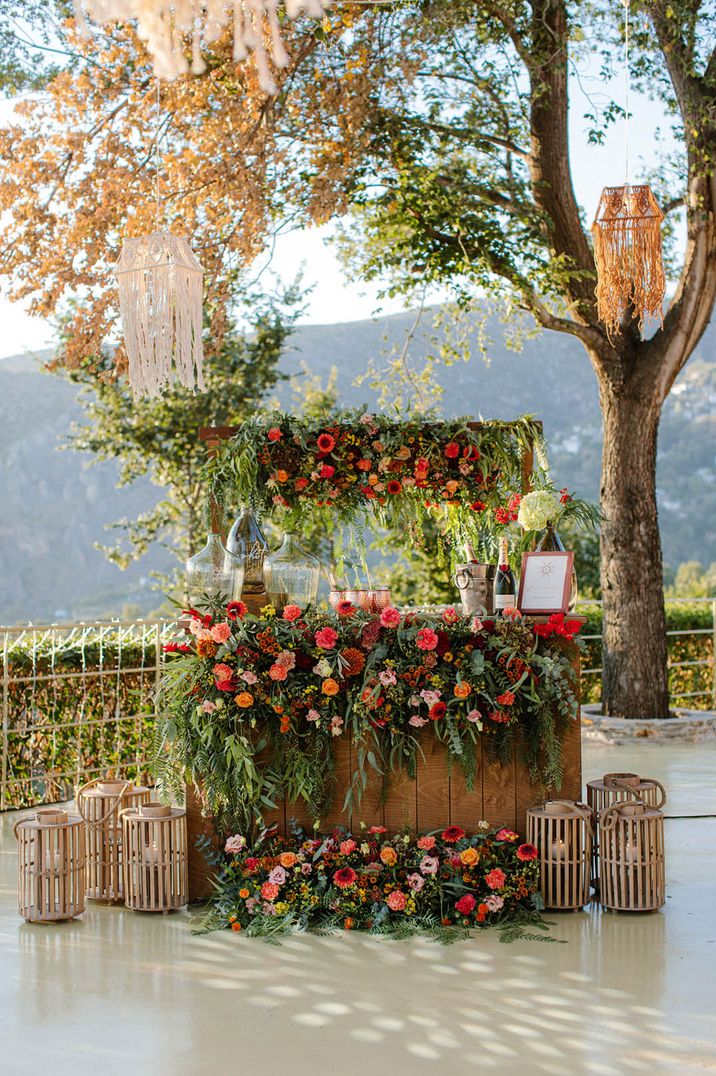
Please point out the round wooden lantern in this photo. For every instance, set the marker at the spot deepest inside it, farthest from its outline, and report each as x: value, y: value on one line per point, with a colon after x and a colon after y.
x: 155, y: 866
x: 631, y: 857
x: 51, y: 866
x: 563, y: 833
x: 615, y: 788
x: 100, y: 803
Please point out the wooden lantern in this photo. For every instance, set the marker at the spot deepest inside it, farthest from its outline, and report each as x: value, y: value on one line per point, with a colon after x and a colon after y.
x: 51, y: 866
x: 100, y: 803
x: 563, y: 832
x: 631, y: 857
x: 615, y: 788
x: 155, y: 858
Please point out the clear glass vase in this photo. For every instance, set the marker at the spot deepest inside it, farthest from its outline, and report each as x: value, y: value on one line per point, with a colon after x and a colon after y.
x: 214, y: 572
x: 550, y: 542
x: 246, y: 540
x: 291, y: 575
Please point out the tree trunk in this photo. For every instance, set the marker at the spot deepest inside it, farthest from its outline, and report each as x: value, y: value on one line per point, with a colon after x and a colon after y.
x: 635, y: 682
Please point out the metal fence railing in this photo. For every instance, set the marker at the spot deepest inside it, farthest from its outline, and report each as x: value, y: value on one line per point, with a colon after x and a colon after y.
x: 702, y: 639
x: 77, y: 701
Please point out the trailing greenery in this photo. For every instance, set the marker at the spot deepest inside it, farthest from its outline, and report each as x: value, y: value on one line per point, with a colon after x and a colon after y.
x: 251, y: 708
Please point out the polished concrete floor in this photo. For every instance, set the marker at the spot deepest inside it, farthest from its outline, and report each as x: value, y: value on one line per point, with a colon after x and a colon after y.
x: 117, y: 993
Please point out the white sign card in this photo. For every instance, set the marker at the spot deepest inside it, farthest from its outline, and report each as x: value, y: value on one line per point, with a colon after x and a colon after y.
x: 545, y: 583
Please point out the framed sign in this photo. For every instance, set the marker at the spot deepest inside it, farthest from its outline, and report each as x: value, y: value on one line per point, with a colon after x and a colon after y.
x: 545, y: 583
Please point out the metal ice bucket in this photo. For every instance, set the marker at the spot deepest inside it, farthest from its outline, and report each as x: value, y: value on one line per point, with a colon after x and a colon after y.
x: 474, y: 581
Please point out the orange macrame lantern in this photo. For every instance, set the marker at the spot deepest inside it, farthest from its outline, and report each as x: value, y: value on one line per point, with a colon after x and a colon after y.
x: 627, y: 251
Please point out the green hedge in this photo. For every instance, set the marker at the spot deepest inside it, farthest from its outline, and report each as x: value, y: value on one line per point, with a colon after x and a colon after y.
x: 680, y: 616
x: 62, y: 732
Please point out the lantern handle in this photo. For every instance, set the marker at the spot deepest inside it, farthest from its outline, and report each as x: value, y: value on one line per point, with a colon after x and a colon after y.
x: 582, y: 809
x: 609, y: 815
x: 662, y: 790
x: 16, y: 826
x: 623, y: 784
x: 94, y: 822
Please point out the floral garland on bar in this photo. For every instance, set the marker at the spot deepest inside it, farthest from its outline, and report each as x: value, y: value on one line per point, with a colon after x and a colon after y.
x: 440, y: 884
x: 339, y: 469
x: 251, y: 706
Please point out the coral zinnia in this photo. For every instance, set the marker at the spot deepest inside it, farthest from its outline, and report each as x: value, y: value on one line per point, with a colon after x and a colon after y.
x: 526, y: 852
x: 453, y: 834
x: 345, y: 877
x: 426, y: 639
x: 326, y: 443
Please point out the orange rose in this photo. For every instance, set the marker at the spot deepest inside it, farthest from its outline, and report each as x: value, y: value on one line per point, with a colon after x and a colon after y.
x: 236, y: 927
x: 243, y: 893
x: 244, y: 699
x: 282, y: 476
x: 288, y: 859
x: 388, y: 855
x: 469, y: 857
x: 462, y: 690
x: 330, y: 687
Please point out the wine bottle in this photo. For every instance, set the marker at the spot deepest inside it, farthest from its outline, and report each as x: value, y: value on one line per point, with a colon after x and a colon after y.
x: 246, y: 540
x: 504, y: 590
x: 470, y: 556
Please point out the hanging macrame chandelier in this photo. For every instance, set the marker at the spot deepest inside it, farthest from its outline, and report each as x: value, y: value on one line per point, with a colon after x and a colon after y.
x: 165, y: 25
x: 160, y: 285
x: 627, y: 243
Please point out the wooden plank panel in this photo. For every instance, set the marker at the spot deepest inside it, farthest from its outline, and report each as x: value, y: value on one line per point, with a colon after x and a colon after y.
x: 197, y: 825
x: 498, y: 791
x: 433, y: 791
x: 370, y: 810
x: 401, y: 804
x: 465, y: 806
x: 344, y: 759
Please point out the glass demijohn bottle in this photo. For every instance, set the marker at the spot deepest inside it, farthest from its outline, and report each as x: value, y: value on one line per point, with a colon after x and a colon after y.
x: 214, y: 571
x: 246, y: 540
x: 291, y: 575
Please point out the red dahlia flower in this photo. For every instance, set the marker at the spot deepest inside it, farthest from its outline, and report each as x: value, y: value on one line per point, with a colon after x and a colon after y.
x: 453, y: 834
x: 394, y: 487
x: 326, y: 443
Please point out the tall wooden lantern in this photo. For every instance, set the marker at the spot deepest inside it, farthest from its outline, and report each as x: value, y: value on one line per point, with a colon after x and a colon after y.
x: 563, y: 832
x: 51, y: 866
x: 100, y: 803
x: 631, y: 857
x: 155, y: 864
x: 615, y: 788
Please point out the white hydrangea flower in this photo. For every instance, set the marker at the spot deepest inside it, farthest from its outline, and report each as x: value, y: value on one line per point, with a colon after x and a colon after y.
x: 537, y: 509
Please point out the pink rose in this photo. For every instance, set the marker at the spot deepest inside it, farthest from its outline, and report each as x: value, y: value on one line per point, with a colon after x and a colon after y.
x: 347, y: 847
x: 476, y: 624
x: 429, y: 865
x: 326, y: 638
x: 291, y: 612
x: 387, y: 677
x: 248, y: 677
x: 235, y: 844
x: 208, y: 707
x: 287, y: 658
x: 336, y: 725
x: 426, y: 843
x: 495, y: 878
x: 313, y: 715
x: 278, y: 672
x: 417, y: 722
x: 430, y: 697
x: 396, y: 901
x: 390, y: 617
x: 466, y: 904
x: 220, y: 632
x: 475, y: 716
x: 427, y: 639
x: 277, y: 876
x: 416, y: 882
x: 494, y: 902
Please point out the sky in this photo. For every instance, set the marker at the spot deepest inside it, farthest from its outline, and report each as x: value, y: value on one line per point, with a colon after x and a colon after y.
x: 337, y: 299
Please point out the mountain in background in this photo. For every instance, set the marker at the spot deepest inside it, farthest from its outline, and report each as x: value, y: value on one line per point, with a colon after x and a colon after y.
x: 54, y: 507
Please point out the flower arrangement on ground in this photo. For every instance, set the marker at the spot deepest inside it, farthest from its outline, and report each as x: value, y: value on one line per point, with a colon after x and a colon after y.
x: 440, y: 883
x: 251, y: 706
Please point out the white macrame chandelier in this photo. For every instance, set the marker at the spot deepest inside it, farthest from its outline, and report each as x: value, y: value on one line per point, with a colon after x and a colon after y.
x: 165, y: 25
x: 160, y: 285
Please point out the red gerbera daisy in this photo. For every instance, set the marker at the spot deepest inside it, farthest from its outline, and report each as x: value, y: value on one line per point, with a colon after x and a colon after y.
x: 526, y: 852
x: 345, y: 877
x: 236, y: 610
x: 437, y: 710
x: 394, y: 486
x: 326, y: 443
x: 453, y: 834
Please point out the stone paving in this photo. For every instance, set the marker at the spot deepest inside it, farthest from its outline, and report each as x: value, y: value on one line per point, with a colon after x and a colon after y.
x: 117, y: 992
